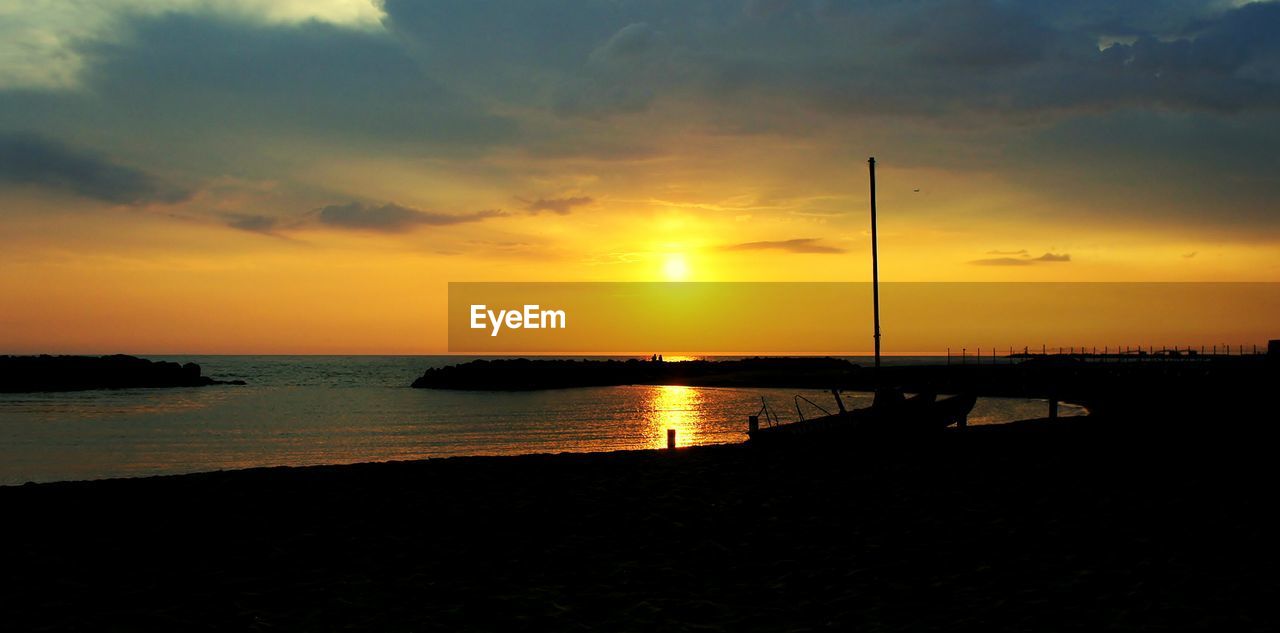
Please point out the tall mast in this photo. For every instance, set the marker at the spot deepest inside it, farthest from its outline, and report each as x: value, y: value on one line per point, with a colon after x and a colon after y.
x: 875, y: 260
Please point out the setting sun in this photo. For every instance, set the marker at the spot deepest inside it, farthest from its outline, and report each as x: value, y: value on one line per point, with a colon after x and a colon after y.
x: 639, y: 314
x: 675, y: 268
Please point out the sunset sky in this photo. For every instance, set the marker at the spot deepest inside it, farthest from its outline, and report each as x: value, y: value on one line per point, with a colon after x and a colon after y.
x: 259, y: 176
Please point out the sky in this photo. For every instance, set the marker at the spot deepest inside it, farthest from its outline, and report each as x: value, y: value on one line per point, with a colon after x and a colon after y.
x: 255, y: 176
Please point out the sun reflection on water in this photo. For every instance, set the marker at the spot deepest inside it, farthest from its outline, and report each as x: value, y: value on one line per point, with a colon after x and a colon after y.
x: 674, y: 407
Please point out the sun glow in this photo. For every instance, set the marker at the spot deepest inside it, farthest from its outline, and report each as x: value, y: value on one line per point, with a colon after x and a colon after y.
x: 675, y: 268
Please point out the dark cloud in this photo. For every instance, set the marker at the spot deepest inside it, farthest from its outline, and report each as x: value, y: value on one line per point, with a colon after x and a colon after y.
x: 622, y: 75
x: 253, y: 223
x: 1227, y: 63
x: 226, y: 85
x: 558, y: 205
x: 31, y: 160
x: 391, y: 218
x: 1021, y: 261
x: 1001, y: 261
x: 1017, y: 252
x: 799, y: 245
x: 425, y: 79
x: 929, y: 58
x: 1166, y: 18
x: 978, y: 35
x: 1204, y: 171
x: 633, y: 40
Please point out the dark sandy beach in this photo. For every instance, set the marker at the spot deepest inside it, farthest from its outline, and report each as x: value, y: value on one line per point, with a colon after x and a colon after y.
x: 1048, y: 526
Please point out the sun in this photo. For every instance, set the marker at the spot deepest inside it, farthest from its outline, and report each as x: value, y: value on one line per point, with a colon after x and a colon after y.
x: 675, y: 267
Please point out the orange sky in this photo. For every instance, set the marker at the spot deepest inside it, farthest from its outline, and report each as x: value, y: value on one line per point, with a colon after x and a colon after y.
x: 164, y: 195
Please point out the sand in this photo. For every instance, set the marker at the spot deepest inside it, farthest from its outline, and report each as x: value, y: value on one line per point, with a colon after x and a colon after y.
x: 1070, y: 526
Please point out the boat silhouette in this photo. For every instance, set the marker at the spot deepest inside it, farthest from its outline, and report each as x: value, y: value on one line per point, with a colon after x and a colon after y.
x: 891, y: 412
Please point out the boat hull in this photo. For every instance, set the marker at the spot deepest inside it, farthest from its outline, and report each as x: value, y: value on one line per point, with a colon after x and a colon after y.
x: 906, y: 417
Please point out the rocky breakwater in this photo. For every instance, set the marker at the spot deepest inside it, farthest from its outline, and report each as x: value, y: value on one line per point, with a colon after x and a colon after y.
x: 523, y: 373
x: 76, y: 373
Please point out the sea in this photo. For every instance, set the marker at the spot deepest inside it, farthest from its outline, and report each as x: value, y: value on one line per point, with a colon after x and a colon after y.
x: 305, y: 410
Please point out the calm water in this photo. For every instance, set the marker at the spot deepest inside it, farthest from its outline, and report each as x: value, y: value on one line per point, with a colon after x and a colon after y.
x: 328, y: 410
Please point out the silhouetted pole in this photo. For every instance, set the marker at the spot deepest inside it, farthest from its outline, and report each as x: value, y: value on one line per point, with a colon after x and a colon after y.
x: 875, y: 261
x: 671, y: 438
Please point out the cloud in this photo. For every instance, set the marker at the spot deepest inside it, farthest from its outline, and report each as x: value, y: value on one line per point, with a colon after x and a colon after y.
x: 1157, y: 167
x: 1001, y: 261
x: 622, y: 75
x: 1190, y: 255
x: 930, y: 58
x: 356, y: 216
x: 1023, y: 261
x: 978, y: 35
x: 558, y: 205
x: 630, y: 42
x: 31, y: 160
x: 391, y: 218
x: 253, y: 223
x: 200, y: 79
x: 798, y: 245
x: 38, y: 39
x: 1022, y: 252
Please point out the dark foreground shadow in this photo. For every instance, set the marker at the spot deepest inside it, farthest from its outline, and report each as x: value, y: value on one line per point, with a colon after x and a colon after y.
x: 1072, y: 525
